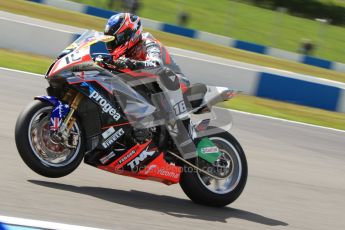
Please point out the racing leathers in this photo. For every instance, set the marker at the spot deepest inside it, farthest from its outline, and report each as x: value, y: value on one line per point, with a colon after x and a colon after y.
x: 149, y: 53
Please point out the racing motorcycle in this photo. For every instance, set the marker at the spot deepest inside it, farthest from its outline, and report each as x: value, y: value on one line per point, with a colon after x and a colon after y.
x: 122, y: 122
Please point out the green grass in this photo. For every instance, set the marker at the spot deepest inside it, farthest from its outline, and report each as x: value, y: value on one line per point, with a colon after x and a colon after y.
x: 24, y: 61
x: 334, y: 2
x: 247, y: 22
x: 39, y: 64
x: 90, y: 22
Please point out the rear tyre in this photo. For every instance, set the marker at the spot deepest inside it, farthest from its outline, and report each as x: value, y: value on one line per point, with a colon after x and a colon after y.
x: 38, y: 149
x: 203, y: 189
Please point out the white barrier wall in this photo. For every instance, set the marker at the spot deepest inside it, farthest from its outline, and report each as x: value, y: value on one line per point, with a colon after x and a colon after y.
x: 33, y: 38
x: 239, y: 78
x: 213, y: 38
x: 341, y: 102
x: 278, y: 53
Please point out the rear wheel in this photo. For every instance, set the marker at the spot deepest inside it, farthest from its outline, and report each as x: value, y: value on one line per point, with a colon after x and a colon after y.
x: 39, y: 149
x: 231, y: 166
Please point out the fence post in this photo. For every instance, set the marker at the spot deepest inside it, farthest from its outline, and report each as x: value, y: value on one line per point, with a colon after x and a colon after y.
x: 278, y: 25
x: 322, y: 25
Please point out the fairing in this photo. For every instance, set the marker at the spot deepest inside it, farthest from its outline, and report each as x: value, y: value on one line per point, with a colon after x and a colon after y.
x: 143, y: 161
x: 79, y: 52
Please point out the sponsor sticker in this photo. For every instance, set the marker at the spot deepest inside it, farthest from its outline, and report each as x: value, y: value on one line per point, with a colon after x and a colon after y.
x: 113, y: 138
x: 213, y: 149
x: 106, y: 158
x: 105, y: 105
x: 161, y: 171
x: 167, y: 173
x: 143, y: 155
x: 108, y: 132
x: 126, y: 157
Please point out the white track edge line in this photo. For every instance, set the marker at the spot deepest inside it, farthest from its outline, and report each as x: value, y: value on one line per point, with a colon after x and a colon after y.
x: 41, y: 224
x: 21, y: 71
x: 37, y: 25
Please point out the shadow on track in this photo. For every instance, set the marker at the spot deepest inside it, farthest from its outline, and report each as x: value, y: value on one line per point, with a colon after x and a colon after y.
x: 173, y: 206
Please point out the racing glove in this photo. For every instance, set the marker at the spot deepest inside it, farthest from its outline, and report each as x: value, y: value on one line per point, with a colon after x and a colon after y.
x: 123, y: 63
x: 103, y: 61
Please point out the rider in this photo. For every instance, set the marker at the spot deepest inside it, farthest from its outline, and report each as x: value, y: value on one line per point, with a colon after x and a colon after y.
x: 136, y: 50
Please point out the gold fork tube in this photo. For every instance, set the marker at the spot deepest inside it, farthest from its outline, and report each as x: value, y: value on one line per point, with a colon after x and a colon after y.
x: 76, y: 101
x: 74, y: 106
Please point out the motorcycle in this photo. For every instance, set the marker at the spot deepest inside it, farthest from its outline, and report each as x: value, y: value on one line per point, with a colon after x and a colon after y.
x: 122, y: 122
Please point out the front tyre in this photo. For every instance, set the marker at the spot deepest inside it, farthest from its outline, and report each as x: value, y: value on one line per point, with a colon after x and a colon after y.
x: 37, y: 147
x: 205, y: 190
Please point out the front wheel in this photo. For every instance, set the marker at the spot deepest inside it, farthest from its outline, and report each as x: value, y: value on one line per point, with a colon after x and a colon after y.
x: 203, y: 189
x: 37, y: 146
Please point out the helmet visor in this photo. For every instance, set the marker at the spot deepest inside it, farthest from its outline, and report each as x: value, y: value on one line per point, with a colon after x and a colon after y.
x: 120, y: 39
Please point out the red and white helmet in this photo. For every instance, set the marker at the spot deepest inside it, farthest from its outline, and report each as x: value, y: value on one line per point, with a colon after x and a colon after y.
x: 127, y: 29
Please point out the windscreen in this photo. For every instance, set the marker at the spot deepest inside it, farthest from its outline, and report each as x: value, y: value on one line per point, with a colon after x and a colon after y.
x: 91, y: 38
x: 88, y: 35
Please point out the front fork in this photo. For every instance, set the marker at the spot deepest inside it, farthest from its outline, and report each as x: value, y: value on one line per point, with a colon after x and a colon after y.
x: 69, y: 121
x: 62, y: 119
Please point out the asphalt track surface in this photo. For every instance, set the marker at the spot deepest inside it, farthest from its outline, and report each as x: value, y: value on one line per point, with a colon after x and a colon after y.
x: 296, y: 180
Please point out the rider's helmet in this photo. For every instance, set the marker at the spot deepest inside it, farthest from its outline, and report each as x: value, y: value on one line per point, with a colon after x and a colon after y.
x: 126, y: 28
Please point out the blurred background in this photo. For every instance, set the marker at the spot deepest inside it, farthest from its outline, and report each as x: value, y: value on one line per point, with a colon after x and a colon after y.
x: 314, y: 27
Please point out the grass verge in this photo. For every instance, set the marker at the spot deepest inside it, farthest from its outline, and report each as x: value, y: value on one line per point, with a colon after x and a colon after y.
x: 90, y: 22
x: 39, y: 64
x: 24, y: 61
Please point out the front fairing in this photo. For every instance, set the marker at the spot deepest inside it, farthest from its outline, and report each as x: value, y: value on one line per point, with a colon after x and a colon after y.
x: 78, y: 56
x: 79, y: 59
